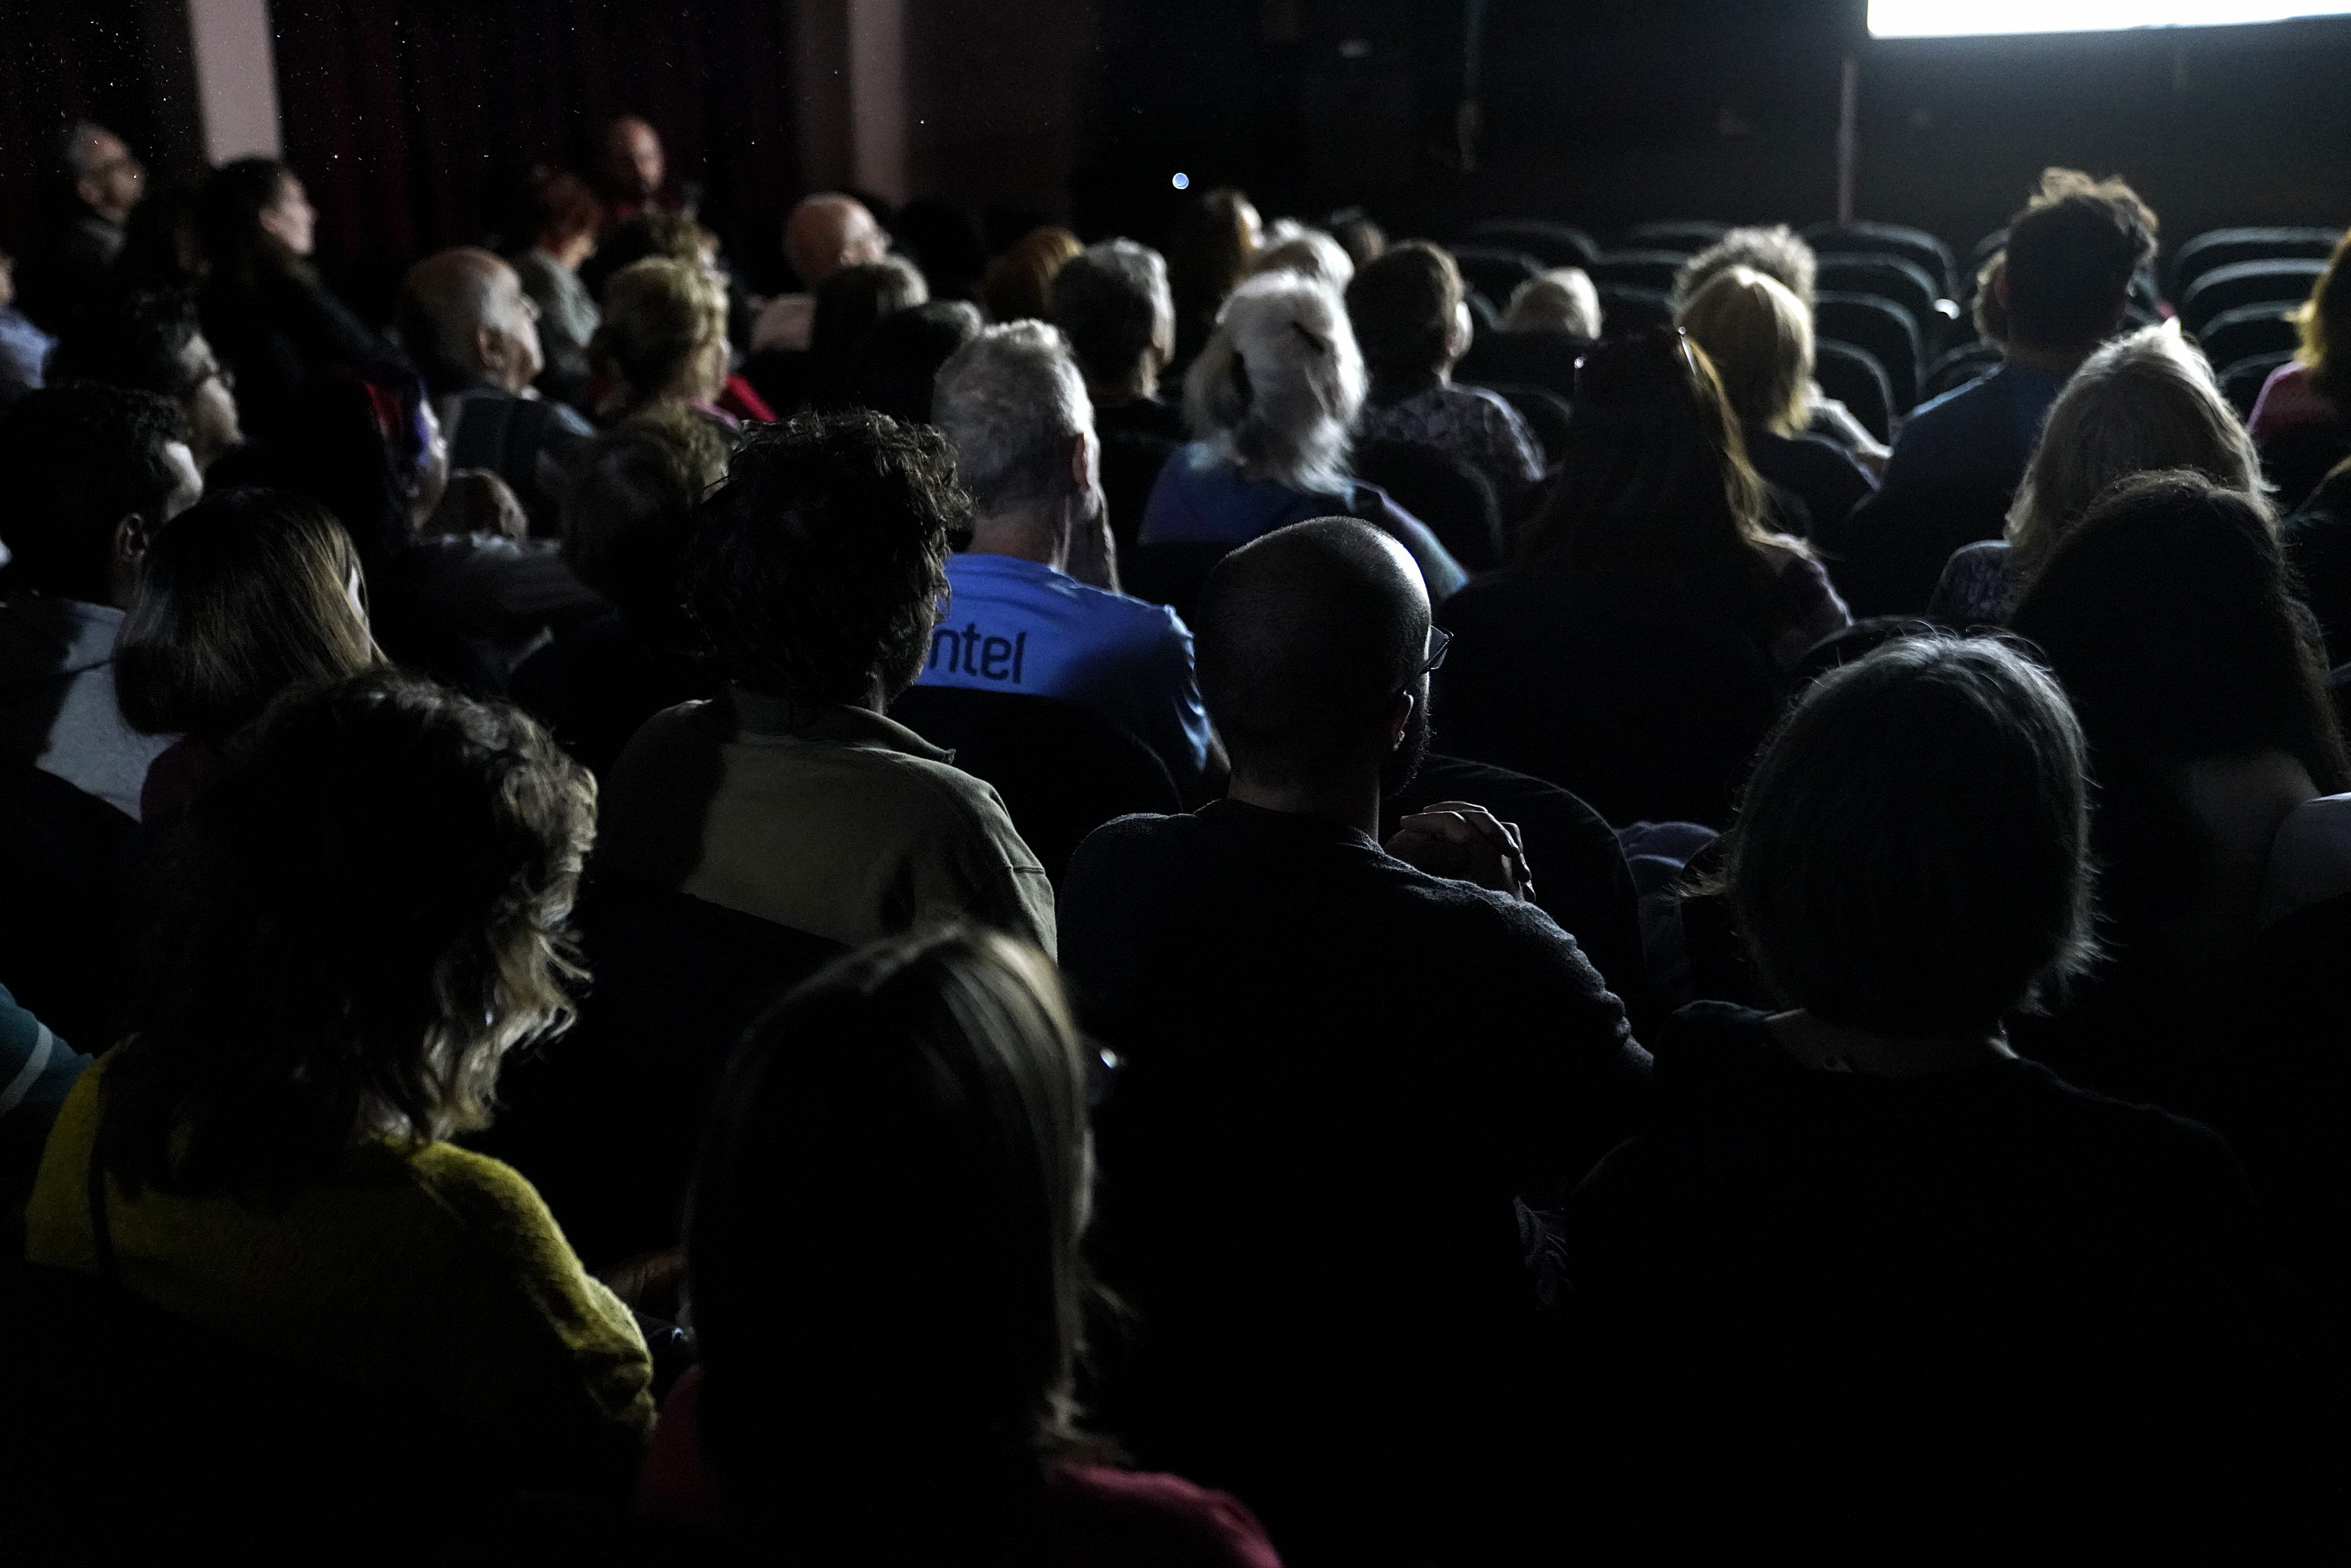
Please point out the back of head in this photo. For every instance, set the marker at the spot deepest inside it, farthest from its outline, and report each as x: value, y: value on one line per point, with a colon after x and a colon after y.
x: 2070, y: 255
x: 849, y: 303
x: 1210, y: 254
x: 1911, y: 856
x: 239, y: 252
x: 246, y: 594
x: 1655, y: 478
x: 362, y: 914
x: 1405, y: 308
x: 2169, y: 613
x: 937, y: 1077
x: 1010, y: 403
x: 80, y: 458
x: 630, y: 510
x: 898, y: 360
x: 1363, y: 239
x: 664, y: 331
x: 138, y: 339
x: 1019, y: 285
x: 1562, y: 300
x: 1112, y: 302
x: 1278, y: 383
x: 817, y: 567
x: 652, y: 233
x: 1778, y: 253
x: 1305, y: 635
x: 1760, y: 339
x: 2324, y: 325
x: 2144, y: 402
x: 563, y: 208
x: 1312, y: 255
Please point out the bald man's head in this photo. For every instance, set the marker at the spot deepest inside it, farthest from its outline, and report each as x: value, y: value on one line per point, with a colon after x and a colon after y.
x: 464, y: 317
x: 1306, y: 639
x: 826, y: 233
x: 633, y: 164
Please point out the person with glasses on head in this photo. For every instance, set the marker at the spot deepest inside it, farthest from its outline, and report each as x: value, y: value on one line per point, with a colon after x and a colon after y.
x: 1635, y: 648
x: 150, y: 340
x: 1345, y: 1065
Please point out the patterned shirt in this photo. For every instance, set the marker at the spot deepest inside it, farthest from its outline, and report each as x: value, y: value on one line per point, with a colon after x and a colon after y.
x: 1467, y: 423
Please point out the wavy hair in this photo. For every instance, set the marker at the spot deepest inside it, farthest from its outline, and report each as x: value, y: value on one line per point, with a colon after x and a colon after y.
x: 2323, y: 323
x: 360, y: 916
x: 1278, y: 384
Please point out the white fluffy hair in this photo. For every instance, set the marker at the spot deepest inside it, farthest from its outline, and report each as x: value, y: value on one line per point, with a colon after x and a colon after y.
x: 1562, y: 300
x: 1310, y: 253
x: 1277, y: 386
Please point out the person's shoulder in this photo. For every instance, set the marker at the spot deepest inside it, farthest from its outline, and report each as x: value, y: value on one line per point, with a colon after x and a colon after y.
x: 1149, y: 1517
x: 1958, y: 403
x: 2125, y: 1137
x: 493, y: 1206
x: 1123, y: 845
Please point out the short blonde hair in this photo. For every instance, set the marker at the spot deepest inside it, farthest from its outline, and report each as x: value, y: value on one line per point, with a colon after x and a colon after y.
x: 2325, y: 322
x: 1562, y: 300
x: 1760, y: 337
x: 2144, y: 402
x: 663, y: 319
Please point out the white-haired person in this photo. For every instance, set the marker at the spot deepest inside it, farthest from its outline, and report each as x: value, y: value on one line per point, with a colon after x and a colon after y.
x: 1271, y: 401
x: 1310, y: 253
x: 2143, y: 403
x: 1562, y: 301
x: 1033, y: 600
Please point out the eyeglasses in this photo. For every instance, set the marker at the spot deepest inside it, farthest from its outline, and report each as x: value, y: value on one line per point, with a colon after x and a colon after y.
x: 1439, y: 642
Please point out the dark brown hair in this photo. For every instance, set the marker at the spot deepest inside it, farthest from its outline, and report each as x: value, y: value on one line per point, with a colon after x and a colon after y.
x: 1403, y: 304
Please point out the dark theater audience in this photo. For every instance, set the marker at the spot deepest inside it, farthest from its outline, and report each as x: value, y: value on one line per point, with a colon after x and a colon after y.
x: 989, y: 877
x: 1342, y: 1072
x: 942, y: 1076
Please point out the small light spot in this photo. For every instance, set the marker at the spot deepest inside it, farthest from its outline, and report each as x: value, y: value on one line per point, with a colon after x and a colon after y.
x: 1182, y: 181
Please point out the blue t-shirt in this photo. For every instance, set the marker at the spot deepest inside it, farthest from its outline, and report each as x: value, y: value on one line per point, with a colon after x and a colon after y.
x: 1017, y: 625
x: 1979, y: 436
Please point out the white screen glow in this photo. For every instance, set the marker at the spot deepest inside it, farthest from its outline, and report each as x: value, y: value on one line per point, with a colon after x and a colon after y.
x: 1978, y: 18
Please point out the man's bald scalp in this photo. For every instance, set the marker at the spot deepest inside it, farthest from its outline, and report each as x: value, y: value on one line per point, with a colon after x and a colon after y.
x: 1304, y: 637
x: 447, y: 297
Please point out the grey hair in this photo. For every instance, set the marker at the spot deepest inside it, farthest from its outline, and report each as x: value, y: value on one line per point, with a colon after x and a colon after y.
x: 1778, y: 253
x: 2144, y: 402
x: 1310, y: 253
x: 1562, y: 300
x: 1277, y: 386
x: 1009, y: 401
x: 1113, y: 302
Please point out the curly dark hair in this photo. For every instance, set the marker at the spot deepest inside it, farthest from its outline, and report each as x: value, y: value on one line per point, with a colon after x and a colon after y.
x: 359, y: 916
x: 817, y: 567
x: 81, y: 456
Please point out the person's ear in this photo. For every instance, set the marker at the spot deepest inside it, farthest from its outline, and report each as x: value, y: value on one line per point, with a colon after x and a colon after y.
x: 1400, y: 718
x: 489, y: 349
x: 1082, y: 462
x: 2000, y: 285
x: 1459, y: 337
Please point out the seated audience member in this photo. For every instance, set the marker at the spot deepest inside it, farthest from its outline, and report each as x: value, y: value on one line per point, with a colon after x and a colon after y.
x: 626, y: 522
x: 817, y: 570
x: 1760, y: 338
x: 822, y: 234
x: 1862, y: 1226
x: 679, y: 238
x: 94, y: 471
x: 1363, y: 239
x: 242, y: 596
x: 1033, y: 602
x: 663, y: 339
x: 899, y: 357
x: 150, y: 340
x: 267, y: 1152
x: 1411, y: 315
x: 1635, y: 649
x: 565, y: 219
x: 465, y: 320
x: 2318, y: 541
x: 2142, y: 402
x: 1207, y: 259
x: 635, y: 172
x: 848, y: 305
x: 1957, y: 460
x: 105, y: 184
x: 938, y: 1075
x: 40, y: 1071
x: 2169, y: 614
x: 1270, y: 401
x: 276, y: 327
x: 2300, y: 422
x: 1019, y: 283
x: 1112, y: 303
x: 1307, y: 253
x: 1418, y: 1051
x: 1561, y: 301
x: 24, y: 349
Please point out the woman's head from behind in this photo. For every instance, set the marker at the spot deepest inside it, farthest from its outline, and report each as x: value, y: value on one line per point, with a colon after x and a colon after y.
x: 629, y: 514
x: 882, y: 1249
x: 1656, y: 473
x: 242, y: 596
x: 1562, y: 301
x: 1019, y: 285
x: 2142, y: 402
x: 663, y: 335
x: 2324, y: 321
x: 1911, y: 857
x: 2169, y: 615
x: 362, y: 914
x: 1210, y: 252
x: 1760, y: 337
x: 1278, y: 383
